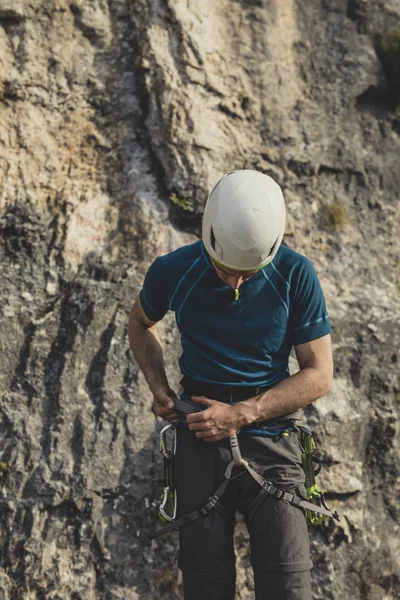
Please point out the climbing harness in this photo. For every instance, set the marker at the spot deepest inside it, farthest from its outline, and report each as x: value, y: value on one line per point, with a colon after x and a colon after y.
x: 315, y: 507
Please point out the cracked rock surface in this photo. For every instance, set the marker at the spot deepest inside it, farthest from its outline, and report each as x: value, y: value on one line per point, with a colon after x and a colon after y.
x: 116, y: 117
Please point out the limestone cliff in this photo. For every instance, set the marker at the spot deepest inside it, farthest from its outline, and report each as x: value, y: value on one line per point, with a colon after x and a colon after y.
x: 115, y: 119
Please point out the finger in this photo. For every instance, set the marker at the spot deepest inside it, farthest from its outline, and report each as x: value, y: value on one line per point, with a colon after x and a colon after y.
x: 160, y: 409
x: 203, y: 400
x: 163, y: 402
x: 167, y: 401
x: 172, y: 419
x: 214, y: 435
x: 202, y: 426
x: 165, y: 398
x: 166, y: 413
x: 168, y: 416
x: 163, y: 412
x: 199, y: 417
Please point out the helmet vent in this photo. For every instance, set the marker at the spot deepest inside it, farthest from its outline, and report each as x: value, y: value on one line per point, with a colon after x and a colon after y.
x: 265, y: 256
x: 212, y: 236
x: 273, y: 246
x: 215, y: 246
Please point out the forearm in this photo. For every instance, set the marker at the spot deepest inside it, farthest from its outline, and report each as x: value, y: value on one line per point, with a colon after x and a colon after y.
x: 289, y: 395
x: 147, y: 349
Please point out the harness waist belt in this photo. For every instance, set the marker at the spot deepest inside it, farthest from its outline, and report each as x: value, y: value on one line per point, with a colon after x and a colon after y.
x: 220, y: 392
x: 230, y: 394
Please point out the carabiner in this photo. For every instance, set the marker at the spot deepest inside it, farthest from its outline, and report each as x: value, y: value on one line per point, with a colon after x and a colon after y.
x: 165, y: 451
x: 169, y: 499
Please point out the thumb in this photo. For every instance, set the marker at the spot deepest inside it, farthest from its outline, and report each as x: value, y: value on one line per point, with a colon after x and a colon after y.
x: 165, y: 399
x: 203, y: 400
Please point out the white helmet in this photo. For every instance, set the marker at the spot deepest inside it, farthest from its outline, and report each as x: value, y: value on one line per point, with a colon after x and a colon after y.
x: 244, y: 220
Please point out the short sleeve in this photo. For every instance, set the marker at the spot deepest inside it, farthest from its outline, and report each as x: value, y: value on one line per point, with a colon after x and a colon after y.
x: 308, y: 317
x: 154, y: 293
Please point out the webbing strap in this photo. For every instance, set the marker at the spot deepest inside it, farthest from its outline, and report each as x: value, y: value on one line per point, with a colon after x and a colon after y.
x: 287, y: 496
x: 269, y: 487
x: 266, y: 485
x: 235, y: 448
x: 196, y: 514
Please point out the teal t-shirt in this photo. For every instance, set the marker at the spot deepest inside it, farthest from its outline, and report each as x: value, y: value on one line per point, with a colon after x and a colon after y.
x: 237, y: 342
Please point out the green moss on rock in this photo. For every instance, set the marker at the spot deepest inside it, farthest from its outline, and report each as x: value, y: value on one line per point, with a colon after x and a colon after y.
x: 336, y: 215
x: 185, y: 203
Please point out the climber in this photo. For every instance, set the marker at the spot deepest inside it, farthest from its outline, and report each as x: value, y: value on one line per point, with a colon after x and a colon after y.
x: 242, y: 301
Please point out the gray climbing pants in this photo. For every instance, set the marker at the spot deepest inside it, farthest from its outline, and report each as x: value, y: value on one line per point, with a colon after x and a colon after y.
x: 279, y: 543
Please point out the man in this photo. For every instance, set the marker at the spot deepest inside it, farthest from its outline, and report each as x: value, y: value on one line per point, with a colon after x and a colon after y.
x: 242, y: 301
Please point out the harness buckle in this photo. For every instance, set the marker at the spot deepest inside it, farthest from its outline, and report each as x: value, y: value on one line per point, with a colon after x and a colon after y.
x: 267, y: 485
x: 211, y: 502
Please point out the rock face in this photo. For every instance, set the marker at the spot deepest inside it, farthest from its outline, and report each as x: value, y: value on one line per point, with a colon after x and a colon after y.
x: 115, y: 119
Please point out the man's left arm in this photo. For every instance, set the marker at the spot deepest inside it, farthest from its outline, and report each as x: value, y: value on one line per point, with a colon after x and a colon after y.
x: 313, y: 380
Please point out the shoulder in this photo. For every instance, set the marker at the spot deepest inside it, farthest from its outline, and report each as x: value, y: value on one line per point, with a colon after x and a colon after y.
x: 180, y: 259
x: 170, y: 268
x: 164, y: 276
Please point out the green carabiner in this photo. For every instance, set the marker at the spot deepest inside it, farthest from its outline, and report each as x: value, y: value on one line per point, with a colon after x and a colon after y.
x: 314, y: 493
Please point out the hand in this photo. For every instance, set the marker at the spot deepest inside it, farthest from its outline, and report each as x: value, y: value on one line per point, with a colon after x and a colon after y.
x: 163, y: 404
x: 217, y: 422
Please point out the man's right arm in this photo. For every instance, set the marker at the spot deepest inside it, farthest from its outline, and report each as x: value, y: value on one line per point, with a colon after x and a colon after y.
x: 146, y: 346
